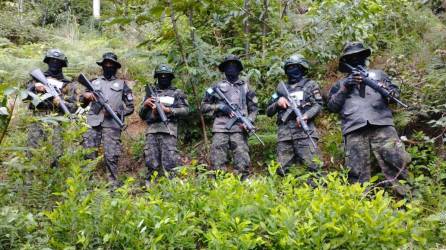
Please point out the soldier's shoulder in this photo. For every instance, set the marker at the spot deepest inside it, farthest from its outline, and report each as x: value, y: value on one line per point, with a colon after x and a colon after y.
x: 311, y: 83
x: 219, y: 83
x: 177, y: 92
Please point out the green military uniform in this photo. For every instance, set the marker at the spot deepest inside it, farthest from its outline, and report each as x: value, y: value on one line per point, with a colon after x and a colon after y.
x: 160, y: 150
x: 367, y: 123
x: 294, y: 146
x: 235, y: 139
x: 103, y: 129
x: 46, y: 107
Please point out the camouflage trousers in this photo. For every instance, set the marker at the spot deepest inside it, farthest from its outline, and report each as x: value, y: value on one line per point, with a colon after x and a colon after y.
x: 38, y: 133
x: 111, y: 141
x: 161, y: 153
x: 293, y: 152
x: 237, y: 143
x: 384, y: 143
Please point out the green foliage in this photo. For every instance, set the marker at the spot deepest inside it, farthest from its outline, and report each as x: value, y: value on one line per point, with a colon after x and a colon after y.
x: 228, y: 214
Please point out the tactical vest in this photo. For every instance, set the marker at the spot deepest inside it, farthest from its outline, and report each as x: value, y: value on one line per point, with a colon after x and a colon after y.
x: 288, y: 130
x: 373, y: 109
x: 236, y: 94
x: 168, y: 99
x: 113, y: 92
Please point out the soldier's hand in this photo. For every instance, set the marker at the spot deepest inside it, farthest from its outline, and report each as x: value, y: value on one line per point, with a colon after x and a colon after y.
x: 225, y: 109
x: 298, y: 122
x: 243, y: 126
x: 40, y: 88
x: 89, y: 96
x: 56, y: 100
x: 166, y: 109
x: 150, y: 103
x: 283, y: 103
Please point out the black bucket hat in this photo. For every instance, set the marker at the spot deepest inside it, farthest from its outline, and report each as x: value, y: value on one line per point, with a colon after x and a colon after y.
x: 110, y: 56
x: 352, y: 48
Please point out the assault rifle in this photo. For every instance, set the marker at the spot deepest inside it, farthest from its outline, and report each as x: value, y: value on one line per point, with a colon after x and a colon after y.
x: 100, y: 98
x: 151, y: 93
x: 238, y: 116
x: 366, y: 80
x: 51, y: 90
x: 282, y: 90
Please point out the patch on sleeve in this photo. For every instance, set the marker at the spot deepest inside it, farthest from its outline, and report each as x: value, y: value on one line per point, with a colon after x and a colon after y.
x: 274, y: 96
x: 210, y: 91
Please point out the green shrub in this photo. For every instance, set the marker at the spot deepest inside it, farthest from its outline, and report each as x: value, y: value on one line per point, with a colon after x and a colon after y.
x: 265, y: 212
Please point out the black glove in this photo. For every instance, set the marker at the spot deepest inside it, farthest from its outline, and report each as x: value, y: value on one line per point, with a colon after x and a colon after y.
x: 224, y: 108
x: 353, y: 80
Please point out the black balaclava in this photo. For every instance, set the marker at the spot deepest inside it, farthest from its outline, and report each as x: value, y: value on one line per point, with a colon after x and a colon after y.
x: 109, y: 71
x: 55, y: 67
x: 232, y: 72
x: 355, y: 60
x: 295, y: 73
x: 164, y: 81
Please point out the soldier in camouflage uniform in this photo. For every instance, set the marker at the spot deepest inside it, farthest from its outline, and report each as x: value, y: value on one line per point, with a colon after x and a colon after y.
x: 293, y: 145
x: 56, y: 61
x: 367, y: 123
x: 161, y: 153
x: 234, y: 139
x: 103, y: 129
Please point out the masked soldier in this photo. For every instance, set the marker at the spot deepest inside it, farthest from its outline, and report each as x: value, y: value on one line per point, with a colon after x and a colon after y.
x: 233, y: 139
x: 44, y: 105
x: 160, y: 149
x: 103, y: 129
x: 294, y: 145
x: 367, y: 122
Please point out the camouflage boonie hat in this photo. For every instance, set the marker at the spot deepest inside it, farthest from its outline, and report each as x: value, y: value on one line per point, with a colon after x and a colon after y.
x: 56, y: 54
x: 110, y: 56
x: 351, y: 48
x: 230, y: 58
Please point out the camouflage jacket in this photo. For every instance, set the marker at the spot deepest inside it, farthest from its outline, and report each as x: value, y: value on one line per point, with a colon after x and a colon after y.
x: 118, y: 95
x: 172, y: 98
x: 357, y: 112
x: 307, y: 93
x: 239, y: 94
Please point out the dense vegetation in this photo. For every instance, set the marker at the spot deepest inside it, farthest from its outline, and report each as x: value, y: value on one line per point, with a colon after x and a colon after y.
x: 70, y: 207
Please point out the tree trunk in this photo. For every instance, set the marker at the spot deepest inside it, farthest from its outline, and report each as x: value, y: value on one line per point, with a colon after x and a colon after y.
x: 184, y: 59
x: 264, y: 27
x: 96, y: 9
x: 285, y: 9
x: 190, y: 15
x: 246, y: 25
